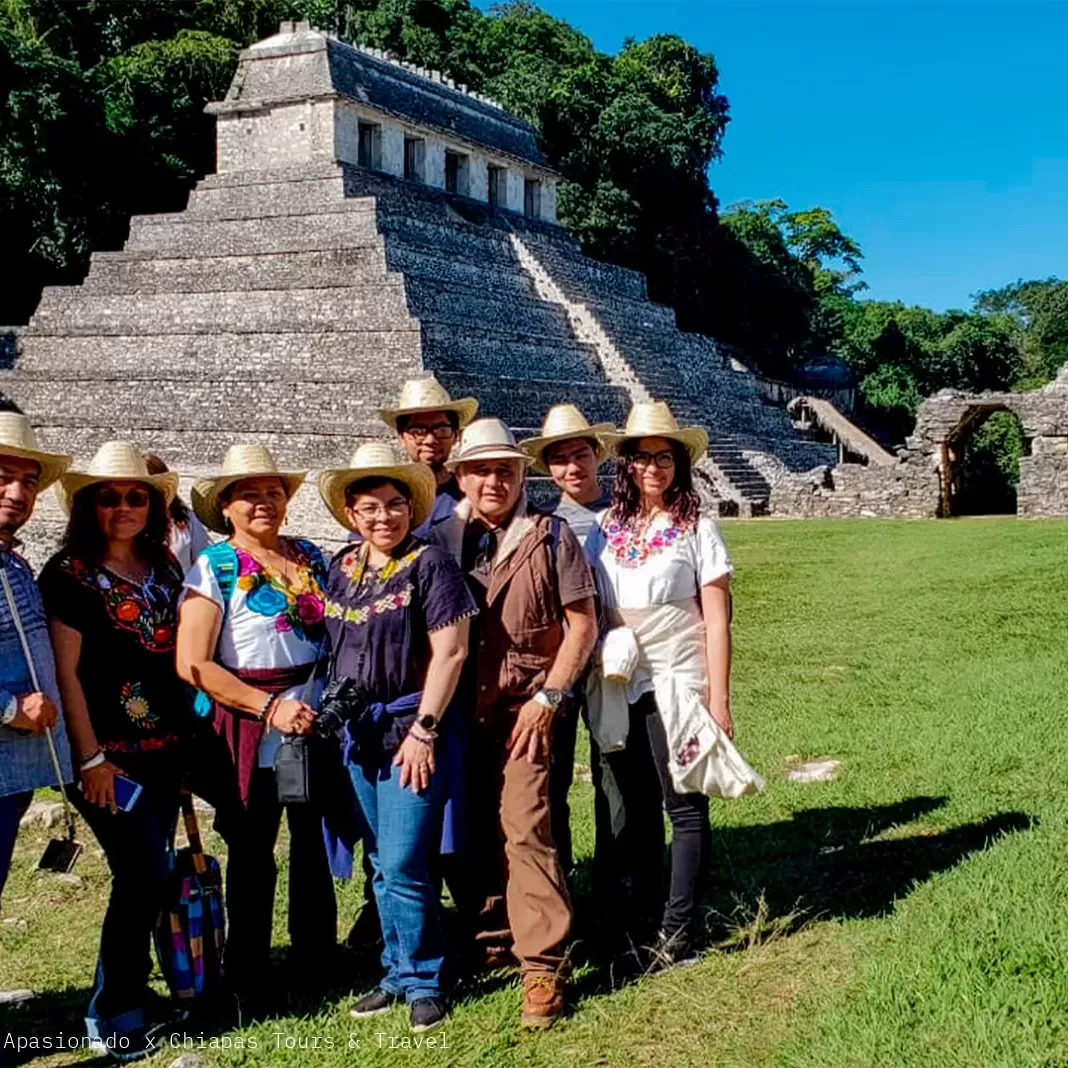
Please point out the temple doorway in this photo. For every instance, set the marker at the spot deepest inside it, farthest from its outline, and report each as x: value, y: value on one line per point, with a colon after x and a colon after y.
x: 981, y: 462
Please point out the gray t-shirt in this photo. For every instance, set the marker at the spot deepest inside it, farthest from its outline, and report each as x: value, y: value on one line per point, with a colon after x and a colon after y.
x: 581, y: 517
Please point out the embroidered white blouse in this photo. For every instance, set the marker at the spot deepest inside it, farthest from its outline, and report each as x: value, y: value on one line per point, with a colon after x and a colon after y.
x: 272, y: 631
x: 659, y: 565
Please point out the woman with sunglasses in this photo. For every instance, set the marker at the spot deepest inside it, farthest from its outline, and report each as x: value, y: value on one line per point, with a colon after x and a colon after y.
x: 111, y: 594
x: 665, y: 573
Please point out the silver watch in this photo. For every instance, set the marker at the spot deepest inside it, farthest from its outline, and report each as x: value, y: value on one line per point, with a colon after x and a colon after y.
x: 550, y: 698
x: 9, y: 711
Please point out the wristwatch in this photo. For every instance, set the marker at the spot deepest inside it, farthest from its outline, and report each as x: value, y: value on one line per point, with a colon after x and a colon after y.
x: 550, y: 698
x: 427, y: 723
x: 9, y: 711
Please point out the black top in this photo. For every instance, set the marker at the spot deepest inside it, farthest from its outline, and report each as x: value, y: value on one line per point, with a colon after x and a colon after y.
x: 126, y: 668
x: 380, y: 621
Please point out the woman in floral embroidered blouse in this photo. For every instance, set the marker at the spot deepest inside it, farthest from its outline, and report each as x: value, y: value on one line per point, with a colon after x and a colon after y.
x: 398, y: 615
x: 250, y: 638
x: 111, y: 594
x: 663, y: 571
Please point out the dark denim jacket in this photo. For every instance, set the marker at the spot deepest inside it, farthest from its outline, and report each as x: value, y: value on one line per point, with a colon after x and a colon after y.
x: 24, y: 760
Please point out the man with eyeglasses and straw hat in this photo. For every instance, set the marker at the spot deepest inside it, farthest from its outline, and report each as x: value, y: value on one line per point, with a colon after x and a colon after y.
x: 29, y: 694
x: 428, y: 423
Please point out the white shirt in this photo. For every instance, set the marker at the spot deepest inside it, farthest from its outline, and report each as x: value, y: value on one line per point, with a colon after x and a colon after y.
x: 251, y: 639
x: 663, y: 564
x: 187, y: 539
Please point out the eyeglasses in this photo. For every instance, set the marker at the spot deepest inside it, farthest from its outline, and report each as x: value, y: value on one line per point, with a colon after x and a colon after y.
x: 442, y: 431
x: 134, y: 498
x: 393, y: 510
x: 663, y: 460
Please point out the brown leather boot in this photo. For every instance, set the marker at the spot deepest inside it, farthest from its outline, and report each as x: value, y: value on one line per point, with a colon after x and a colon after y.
x: 543, y: 1000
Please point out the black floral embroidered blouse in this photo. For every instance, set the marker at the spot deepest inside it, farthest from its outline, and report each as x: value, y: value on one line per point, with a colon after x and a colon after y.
x: 127, y: 668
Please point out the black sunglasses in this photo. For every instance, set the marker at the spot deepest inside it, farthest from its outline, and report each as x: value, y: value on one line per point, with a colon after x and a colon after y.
x: 111, y: 498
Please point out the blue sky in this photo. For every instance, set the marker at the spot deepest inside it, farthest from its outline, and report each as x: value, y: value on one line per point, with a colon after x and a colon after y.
x: 937, y: 133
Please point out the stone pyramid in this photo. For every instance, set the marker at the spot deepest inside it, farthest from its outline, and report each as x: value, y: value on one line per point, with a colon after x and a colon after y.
x: 317, y: 270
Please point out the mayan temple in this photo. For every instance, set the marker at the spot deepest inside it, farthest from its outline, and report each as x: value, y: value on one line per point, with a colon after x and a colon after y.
x: 368, y: 222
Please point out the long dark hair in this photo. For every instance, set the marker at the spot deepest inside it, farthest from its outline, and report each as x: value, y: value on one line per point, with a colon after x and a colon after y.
x: 85, y: 540
x: 681, y: 498
x: 178, y: 509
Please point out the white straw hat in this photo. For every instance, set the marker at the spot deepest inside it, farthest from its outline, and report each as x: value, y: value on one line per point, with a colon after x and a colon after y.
x: 240, y: 461
x: 376, y: 459
x: 654, y: 420
x: 116, y: 461
x: 428, y: 395
x: 486, y: 439
x: 17, y: 438
x: 563, y: 422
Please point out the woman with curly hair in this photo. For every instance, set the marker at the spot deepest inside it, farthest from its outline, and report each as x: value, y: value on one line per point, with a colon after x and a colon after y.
x: 664, y: 573
x: 111, y: 594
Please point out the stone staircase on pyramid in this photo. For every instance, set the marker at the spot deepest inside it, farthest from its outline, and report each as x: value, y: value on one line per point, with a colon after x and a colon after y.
x: 286, y: 305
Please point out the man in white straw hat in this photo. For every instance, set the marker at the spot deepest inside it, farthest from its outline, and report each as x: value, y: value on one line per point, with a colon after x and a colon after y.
x: 428, y: 422
x: 570, y: 451
x: 534, y: 633
x: 27, y: 707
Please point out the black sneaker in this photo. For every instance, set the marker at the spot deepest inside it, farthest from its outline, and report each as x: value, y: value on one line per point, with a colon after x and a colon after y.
x: 427, y: 1013
x: 671, y: 951
x: 373, y: 1004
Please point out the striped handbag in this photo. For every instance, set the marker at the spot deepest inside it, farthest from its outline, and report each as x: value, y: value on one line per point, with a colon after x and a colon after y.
x: 192, y: 929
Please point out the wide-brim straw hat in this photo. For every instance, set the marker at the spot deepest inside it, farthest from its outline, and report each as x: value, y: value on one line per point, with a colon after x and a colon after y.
x: 375, y: 459
x: 428, y: 395
x: 116, y: 461
x: 240, y: 461
x: 486, y: 439
x: 654, y: 420
x: 563, y: 422
x: 17, y: 438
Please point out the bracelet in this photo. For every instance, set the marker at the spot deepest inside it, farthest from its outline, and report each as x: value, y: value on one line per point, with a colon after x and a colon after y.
x: 94, y: 761
x: 265, y: 707
x: 270, y: 708
x: 420, y: 734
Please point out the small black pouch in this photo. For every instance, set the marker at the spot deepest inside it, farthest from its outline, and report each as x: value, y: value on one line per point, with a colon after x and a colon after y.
x: 292, y: 770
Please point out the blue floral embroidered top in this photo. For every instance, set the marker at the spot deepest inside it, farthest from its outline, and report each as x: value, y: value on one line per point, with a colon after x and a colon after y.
x: 126, y: 667
x: 380, y: 621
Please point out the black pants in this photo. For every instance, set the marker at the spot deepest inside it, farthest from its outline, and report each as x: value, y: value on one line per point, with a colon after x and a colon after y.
x: 135, y: 844
x: 633, y: 789
x: 251, y: 874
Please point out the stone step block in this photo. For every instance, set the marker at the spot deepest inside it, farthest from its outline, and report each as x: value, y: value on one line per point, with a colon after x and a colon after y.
x: 432, y: 302
x: 70, y: 311
x: 272, y: 198
x: 447, y: 348
x: 118, y: 272
x: 312, y: 355
x: 417, y: 263
x: 523, y: 402
x: 200, y: 405
x: 179, y: 236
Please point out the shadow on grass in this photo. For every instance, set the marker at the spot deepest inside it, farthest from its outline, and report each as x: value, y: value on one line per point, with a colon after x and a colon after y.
x: 823, y: 863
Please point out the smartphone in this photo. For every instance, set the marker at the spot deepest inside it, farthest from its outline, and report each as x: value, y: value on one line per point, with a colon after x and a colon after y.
x: 126, y: 793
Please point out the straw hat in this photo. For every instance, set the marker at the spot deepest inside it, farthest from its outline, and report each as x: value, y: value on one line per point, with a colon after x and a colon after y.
x: 116, y: 461
x: 18, y: 439
x: 563, y: 422
x: 428, y: 395
x: 654, y: 420
x: 486, y: 439
x: 377, y: 459
x: 240, y: 461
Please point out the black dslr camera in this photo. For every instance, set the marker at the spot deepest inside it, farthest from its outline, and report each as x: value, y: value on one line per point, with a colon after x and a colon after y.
x: 342, y: 702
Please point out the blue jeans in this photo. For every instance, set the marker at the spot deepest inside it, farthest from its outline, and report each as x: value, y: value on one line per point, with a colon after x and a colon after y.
x: 136, y: 844
x: 12, y: 809
x: 404, y: 833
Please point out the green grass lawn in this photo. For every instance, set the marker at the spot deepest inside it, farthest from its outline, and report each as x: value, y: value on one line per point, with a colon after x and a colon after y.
x: 912, y: 912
